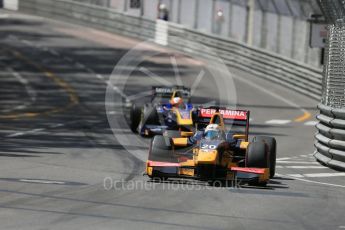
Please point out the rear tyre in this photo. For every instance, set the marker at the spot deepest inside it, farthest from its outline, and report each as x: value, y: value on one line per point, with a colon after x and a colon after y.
x: 134, y: 118
x: 257, y: 157
x: 151, y: 116
x: 272, y: 149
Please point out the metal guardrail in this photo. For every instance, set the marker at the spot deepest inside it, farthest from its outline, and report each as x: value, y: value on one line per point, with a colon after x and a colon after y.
x: 330, y: 140
x: 295, y: 75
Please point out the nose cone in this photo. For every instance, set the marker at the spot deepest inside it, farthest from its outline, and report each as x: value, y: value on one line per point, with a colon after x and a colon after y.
x: 207, y: 157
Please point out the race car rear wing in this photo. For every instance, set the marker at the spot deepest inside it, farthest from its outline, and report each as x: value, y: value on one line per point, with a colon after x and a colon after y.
x: 229, y: 116
x: 164, y: 90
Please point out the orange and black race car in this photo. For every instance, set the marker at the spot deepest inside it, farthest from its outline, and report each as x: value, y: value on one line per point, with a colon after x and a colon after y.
x: 214, y: 152
x: 169, y: 109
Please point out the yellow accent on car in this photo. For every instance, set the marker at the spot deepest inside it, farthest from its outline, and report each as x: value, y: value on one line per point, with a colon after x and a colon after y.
x: 239, y: 136
x: 266, y: 176
x: 189, y: 163
x: 149, y: 170
x: 186, y: 134
x: 180, y: 141
x: 180, y: 120
x: 207, y: 157
x: 244, y: 145
x: 186, y: 172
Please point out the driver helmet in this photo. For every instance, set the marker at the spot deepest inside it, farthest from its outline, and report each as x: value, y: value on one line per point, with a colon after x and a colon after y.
x: 212, y: 132
x: 176, y: 101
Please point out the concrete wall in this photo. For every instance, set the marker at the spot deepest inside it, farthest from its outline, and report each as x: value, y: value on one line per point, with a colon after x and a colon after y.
x: 238, y: 23
x: 187, y: 16
x: 300, y: 40
x: 257, y: 35
x: 285, y: 36
x: 118, y: 4
x: 205, y: 16
x: 150, y: 9
x: 270, y: 32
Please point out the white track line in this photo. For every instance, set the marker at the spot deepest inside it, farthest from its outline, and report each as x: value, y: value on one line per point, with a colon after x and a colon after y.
x: 30, y: 91
x: 283, y: 158
x: 318, y: 175
x: 37, y: 130
x: 305, y: 167
x: 311, y: 123
x: 277, y: 122
x: 57, y: 125
x: 2, y: 16
x: 68, y: 59
x: 53, y: 52
x: 15, y: 134
x: 295, y: 175
x: 114, y: 113
x: 33, y: 131
x: 79, y: 65
x: 310, y: 181
x: 100, y: 76
x: 41, y: 181
x: 26, y: 42
x: 18, y: 134
x: 297, y: 162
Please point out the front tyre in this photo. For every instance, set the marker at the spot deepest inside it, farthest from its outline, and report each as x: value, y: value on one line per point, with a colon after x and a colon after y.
x: 257, y: 157
x: 134, y: 118
x: 272, y: 149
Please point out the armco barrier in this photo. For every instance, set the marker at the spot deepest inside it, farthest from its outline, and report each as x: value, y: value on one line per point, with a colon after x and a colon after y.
x: 330, y: 140
x: 292, y: 74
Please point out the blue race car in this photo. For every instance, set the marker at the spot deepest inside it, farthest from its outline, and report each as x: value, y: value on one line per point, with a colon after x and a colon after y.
x: 170, y: 109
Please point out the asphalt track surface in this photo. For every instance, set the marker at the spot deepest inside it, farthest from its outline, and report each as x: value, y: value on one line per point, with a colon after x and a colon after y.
x: 62, y: 166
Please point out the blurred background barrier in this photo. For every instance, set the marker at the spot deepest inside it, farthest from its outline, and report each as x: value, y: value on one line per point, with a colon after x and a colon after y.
x: 9, y: 4
x: 294, y: 74
x: 279, y: 26
x: 330, y: 139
